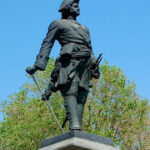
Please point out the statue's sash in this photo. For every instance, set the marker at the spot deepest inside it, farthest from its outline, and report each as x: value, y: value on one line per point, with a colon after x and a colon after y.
x: 80, y: 30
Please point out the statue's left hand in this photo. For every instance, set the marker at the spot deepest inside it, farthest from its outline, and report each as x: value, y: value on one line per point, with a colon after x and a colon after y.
x: 96, y: 73
x: 93, y: 62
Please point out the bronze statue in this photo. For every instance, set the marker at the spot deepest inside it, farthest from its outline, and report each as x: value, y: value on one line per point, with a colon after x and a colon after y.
x: 74, y: 67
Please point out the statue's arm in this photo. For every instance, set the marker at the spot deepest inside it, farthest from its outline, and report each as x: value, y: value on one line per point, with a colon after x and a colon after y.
x: 47, y: 44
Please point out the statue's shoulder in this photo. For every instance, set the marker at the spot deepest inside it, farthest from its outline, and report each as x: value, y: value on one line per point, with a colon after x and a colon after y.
x: 85, y: 28
x: 55, y: 23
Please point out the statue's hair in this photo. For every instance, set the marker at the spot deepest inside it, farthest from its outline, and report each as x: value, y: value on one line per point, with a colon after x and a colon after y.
x: 65, y: 13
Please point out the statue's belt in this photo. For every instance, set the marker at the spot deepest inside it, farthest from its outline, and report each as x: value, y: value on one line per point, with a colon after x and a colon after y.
x: 74, y: 49
x: 81, y: 54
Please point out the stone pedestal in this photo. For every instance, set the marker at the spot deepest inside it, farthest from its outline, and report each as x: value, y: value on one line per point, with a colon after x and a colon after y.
x: 77, y: 140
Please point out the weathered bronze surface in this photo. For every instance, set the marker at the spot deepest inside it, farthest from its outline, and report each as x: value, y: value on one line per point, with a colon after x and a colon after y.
x: 75, y: 65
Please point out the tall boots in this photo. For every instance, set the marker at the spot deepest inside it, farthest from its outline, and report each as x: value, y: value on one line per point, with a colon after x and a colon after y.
x: 80, y: 110
x: 81, y: 100
x: 71, y: 110
x: 74, y: 108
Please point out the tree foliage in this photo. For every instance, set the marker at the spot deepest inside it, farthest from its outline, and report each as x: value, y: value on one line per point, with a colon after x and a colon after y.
x: 113, y: 109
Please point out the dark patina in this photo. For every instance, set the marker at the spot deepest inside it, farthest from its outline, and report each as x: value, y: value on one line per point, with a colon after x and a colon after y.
x: 75, y: 65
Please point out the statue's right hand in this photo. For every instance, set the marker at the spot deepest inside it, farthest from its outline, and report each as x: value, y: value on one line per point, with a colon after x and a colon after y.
x: 31, y: 70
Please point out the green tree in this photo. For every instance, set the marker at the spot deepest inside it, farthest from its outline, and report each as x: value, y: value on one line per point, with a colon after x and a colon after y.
x: 113, y: 109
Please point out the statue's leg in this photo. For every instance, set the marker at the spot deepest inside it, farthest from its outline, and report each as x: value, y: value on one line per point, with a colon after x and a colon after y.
x: 70, y: 97
x: 71, y: 110
x: 81, y: 100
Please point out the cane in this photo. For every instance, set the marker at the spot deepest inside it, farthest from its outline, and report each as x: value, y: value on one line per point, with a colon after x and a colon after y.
x: 48, y: 105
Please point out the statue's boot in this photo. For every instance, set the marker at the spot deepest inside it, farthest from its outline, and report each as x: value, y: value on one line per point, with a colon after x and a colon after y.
x: 80, y: 110
x: 81, y: 100
x: 71, y: 110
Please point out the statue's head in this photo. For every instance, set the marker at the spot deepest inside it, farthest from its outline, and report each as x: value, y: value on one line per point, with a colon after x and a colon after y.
x: 70, y: 7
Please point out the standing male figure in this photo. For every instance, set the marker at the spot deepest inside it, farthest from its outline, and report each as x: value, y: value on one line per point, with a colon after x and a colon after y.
x: 72, y: 72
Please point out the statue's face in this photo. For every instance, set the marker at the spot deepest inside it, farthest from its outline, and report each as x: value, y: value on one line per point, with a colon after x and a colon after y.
x: 74, y: 9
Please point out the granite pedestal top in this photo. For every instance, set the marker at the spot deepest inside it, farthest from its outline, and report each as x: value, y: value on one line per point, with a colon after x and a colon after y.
x: 77, y: 140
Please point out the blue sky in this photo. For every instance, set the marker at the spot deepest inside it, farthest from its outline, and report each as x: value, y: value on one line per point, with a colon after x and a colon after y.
x: 119, y: 28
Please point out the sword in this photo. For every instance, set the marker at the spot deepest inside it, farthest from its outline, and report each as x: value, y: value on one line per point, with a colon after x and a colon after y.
x: 48, y: 105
